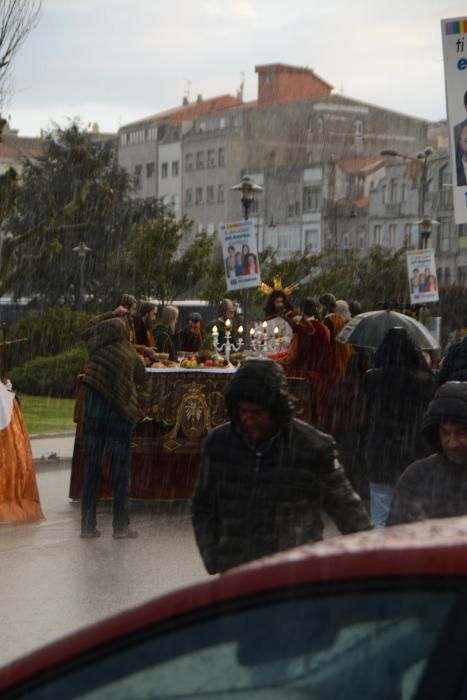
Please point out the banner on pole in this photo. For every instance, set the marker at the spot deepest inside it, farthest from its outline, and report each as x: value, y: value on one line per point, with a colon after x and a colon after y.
x: 421, y: 268
x: 455, y: 72
x: 240, y: 252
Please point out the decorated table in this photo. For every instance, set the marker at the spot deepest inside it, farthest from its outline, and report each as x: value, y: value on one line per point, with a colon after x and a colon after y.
x: 178, y: 407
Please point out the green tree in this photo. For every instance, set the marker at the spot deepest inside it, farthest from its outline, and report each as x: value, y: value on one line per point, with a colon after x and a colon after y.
x: 76, y: 192
x: 153, y: 266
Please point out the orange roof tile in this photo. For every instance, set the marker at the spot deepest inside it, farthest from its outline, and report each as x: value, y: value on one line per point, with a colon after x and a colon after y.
x: 360, y: 166
x: 192, y: 110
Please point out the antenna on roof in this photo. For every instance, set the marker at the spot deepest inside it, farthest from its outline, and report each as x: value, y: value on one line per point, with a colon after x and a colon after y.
x: 186, y: 97
x: 240, y: 89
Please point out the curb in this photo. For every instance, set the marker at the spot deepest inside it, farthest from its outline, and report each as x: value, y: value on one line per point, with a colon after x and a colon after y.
x: 51, y: 436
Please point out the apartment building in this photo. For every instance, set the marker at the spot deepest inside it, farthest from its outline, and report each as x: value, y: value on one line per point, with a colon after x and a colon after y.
x: 298, y: 139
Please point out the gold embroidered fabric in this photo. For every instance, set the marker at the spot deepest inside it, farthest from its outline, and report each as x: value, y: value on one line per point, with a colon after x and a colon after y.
x: 19, y: 496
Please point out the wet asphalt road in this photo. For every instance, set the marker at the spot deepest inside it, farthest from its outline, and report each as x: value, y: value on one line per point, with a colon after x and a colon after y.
x: 52, y: 582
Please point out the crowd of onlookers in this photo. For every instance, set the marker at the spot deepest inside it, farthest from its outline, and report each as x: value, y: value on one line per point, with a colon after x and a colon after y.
x: 385, y: 426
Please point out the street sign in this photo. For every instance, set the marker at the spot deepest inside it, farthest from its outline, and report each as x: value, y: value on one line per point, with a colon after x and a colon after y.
x: 455, y: 70
x: 240, y: 252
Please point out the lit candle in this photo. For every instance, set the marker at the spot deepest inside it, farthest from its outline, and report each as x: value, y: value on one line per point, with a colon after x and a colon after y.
x: 228, y: 323
x: 240, y: 330
x: 265, y: 326
x: 276, y: 332
x: 215, y: 331
x: 252, y: 332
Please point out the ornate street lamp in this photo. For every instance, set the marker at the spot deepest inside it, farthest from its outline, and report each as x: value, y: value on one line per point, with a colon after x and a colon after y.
x: 421, y: 157
x: 248, y: 188
x: 81, y: 250
x: 425, y: 228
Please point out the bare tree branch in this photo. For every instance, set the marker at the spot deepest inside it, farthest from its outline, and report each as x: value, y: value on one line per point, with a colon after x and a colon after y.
x: 17, y: 19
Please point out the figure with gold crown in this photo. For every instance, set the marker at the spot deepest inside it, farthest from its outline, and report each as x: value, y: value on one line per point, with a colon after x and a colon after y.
x: 279, y: 312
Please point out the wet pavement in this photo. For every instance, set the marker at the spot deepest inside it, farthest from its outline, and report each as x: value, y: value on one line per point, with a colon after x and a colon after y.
x: 53, y: 582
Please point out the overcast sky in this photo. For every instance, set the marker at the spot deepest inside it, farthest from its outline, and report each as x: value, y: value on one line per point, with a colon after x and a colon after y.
x: 114, y: 61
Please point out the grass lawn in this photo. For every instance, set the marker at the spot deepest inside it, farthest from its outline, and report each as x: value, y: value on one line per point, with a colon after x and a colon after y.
x: 47, y: 415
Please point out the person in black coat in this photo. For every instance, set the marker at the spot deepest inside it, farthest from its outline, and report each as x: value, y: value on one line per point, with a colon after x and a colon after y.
x: 265, y: 476
x: 436, y: 487
x: 398, y: 392
x: 454, y: 364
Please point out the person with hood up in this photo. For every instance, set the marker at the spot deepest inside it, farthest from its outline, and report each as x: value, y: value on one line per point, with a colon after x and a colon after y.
x: 436, y: 487
x: 265, y: 476
x: 398, y: 391
x: 111, y: 410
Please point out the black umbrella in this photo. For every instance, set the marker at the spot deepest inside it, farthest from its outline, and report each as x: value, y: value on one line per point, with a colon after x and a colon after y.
x: 368, y: 330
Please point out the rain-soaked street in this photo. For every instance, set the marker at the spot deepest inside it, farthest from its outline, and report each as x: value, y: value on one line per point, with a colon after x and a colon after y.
x: 53, y: 582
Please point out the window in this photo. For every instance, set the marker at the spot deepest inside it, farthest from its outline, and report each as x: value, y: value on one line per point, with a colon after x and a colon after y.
x: 200, y: 160
x: 210, y: 194
x: 383, y: 194
x: 393, y: 191
x: 311, y: 199
x: 220, y: 194
x: 377, y: 235
x: 211, y: 158
x: 138, y: 171
x: 175, y: 168
x: 220, y: 157
x: 150, y: 169
x: 189, y: 162
x: 447, y: 275
x: 164, y: 170
x: 358, y: 127
x: 462, y: 274
x: 393, y: 235
x: 293, y: 202
x: 346, y: 241
x: 403, y: 192
x: 189, y: 196
x: 361, y: 242
x: 199, y: 195
x: 312, y: 241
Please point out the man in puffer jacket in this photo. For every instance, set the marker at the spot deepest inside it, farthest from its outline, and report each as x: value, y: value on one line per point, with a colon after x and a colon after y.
x: 436, y: 487
x: 265, y: 476
x: 111, y: 410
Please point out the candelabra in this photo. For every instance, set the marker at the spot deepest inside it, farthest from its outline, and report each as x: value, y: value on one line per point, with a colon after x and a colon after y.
x: 261, y: 343
x: 228, y: 346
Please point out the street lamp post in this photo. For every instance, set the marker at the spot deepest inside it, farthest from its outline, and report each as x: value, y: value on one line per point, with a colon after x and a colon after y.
x: 421, y: 157
x: 81, y: 250
x: 248, y: 188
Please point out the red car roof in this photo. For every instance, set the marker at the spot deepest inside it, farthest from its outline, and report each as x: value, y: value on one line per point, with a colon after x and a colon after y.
x: 436, y: 547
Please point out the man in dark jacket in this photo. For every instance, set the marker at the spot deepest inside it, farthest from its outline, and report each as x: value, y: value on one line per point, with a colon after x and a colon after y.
x: 436, y: 487
x: 111, y: 410
x: 265, y: 476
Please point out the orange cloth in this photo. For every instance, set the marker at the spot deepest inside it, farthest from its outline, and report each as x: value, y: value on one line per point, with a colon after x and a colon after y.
x: 19, y: 496
x: 340, y: 352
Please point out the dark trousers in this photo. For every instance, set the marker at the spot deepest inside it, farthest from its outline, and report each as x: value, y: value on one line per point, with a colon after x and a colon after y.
x: 107, y: 435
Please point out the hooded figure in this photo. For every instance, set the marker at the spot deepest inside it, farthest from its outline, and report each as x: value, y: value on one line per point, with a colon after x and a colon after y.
x: 398, y: 392
x: 112, y: 373
x: 265, y: 476
x: 436, y: 487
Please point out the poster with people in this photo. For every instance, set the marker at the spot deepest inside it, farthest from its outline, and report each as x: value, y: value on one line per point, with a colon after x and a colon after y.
x: 455, y: 71
x: 240, y: 252
x: 423, y: 284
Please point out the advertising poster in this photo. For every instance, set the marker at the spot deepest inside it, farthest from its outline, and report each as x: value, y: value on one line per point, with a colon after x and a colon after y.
x: 423, y: 284
x: 240, y: 252
x: 455, y: 70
